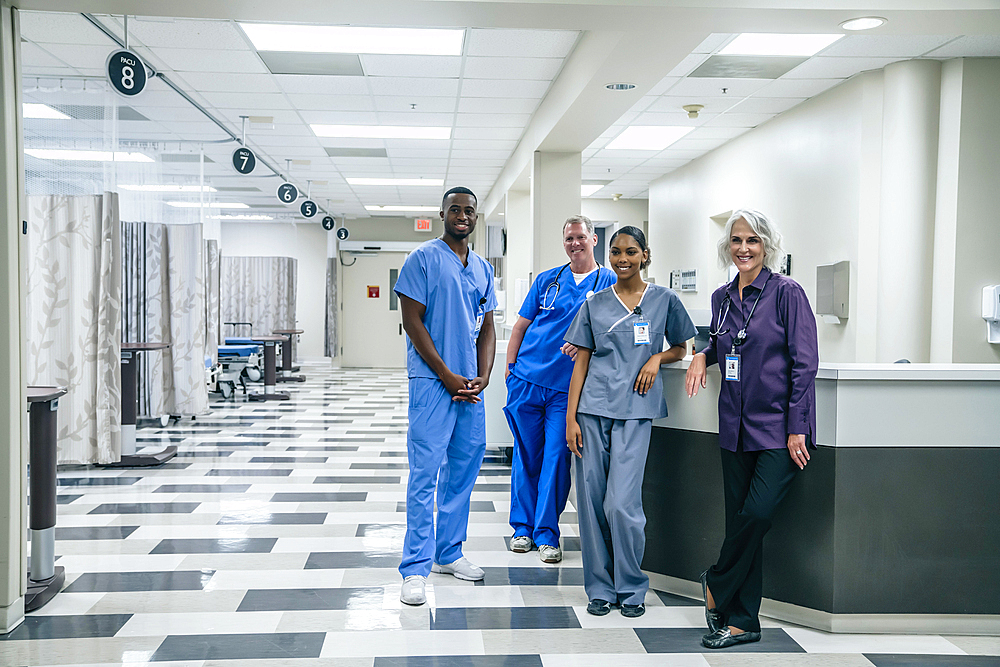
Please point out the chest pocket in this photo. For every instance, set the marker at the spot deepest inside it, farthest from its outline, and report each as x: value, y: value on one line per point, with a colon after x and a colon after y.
x: 475, y: 285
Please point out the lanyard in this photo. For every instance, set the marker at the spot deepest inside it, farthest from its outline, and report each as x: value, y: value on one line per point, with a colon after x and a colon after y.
x: 741, y: 335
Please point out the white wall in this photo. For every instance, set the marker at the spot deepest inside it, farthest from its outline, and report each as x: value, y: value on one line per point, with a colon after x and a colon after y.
x: 633, y: 212
x: 306, y: 242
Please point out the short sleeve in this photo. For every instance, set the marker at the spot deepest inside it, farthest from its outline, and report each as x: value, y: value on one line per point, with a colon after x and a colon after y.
x: 412, y: 281
x: 531, y: 305
x: 581, y: 332
x: 491, y: 290
x: 680, y: 328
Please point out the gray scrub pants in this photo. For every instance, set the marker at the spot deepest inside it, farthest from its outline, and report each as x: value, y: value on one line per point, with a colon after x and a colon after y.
x: 609, y: 505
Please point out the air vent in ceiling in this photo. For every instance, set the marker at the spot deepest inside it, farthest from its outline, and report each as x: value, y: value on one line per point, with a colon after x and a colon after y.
x: 329, y: 64
x: 355, y: 152
x: 747, y: 67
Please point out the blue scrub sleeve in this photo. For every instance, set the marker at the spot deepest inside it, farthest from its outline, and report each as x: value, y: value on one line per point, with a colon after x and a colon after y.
x: 491, y: 291
x: 530, y: 307
x: 581, y: 333
x: 680, y: 328
x: 412, y: 281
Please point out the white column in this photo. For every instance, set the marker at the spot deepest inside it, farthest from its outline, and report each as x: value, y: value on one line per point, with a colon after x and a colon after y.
x: 906, y: 228
x: 517, y: 222
x: 555, y: 196
x: 13, y: 425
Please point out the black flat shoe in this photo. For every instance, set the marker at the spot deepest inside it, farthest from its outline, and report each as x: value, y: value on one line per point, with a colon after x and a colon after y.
x: 599, y: 607
x: 713, y: 617
x: 633, y: 610
x: 724, y: 638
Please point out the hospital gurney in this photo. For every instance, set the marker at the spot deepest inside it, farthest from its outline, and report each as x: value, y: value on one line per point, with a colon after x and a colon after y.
x: 240, y: 362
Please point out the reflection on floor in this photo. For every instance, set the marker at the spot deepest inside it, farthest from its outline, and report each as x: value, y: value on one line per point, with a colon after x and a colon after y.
x: 273, y: 539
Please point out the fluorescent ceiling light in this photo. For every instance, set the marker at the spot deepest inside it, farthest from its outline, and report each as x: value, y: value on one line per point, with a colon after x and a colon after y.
x: 866, y: 23
x: 241, y: 216
x: 377, y: 209
x: 217, y: 204
x: 777, y: 44
x: 42, y: 111
x: 435, y: 182
x: 587, y: 190
x: 647, y: 137
x: 90, y: 156
x: 354, y: 39
x: 168, y: 188
x: 381, y: 132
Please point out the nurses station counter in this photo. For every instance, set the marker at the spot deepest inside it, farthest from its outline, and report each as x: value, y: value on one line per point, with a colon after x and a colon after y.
x: 894, y: 526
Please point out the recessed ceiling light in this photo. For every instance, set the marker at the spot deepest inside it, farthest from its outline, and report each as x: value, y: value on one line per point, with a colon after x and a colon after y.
x: 647, y: 137
x: 587, y: 190
x: 241, y: 216
x: 88, y: 156
x: 435, y: 182
x: 393, y: 208
x: 168, y: 188
x: 381, y: 131
x: 865, y: 23
x: 217, y: 204
x: 355, y: 39
x: 31, y: 110
x: 777, y: 44
x: 620, y: 86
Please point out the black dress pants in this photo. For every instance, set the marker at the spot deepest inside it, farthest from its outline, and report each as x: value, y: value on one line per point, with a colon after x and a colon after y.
x: 755, y: 484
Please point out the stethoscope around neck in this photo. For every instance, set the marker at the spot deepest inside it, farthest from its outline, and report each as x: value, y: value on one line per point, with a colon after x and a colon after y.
x: 741, y: 335
x: 548, y: 304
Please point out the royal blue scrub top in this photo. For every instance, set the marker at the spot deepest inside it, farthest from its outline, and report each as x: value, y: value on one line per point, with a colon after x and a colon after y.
x: 455, y: 296
x: 539, y: 360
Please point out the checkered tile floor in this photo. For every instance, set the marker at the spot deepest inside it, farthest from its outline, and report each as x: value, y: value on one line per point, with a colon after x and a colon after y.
x: 273, y: 539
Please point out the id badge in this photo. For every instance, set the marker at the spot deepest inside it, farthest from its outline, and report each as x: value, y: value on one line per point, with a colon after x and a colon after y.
x: 479, y: 324
x: 640, y: 333
x: 733, y: 367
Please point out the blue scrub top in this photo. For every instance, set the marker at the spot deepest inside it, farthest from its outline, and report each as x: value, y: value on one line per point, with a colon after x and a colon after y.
x: 454, y: 297
x: 539, y: 360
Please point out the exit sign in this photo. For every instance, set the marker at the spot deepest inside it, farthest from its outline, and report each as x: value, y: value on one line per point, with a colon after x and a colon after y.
x: 422, y: 225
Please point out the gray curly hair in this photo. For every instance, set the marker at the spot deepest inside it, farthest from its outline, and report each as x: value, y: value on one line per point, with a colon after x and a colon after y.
x: 762, y: 226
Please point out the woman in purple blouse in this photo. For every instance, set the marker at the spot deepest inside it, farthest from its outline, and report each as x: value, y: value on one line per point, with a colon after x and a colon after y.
x: 763, y: 337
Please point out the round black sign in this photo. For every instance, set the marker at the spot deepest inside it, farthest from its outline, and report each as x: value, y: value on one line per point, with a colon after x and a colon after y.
x: 328, y: 222
x: 126, y: 73
x: 308, y: 208
x: 342, y: 233
x: 287, y: 193
x: 244, y: 160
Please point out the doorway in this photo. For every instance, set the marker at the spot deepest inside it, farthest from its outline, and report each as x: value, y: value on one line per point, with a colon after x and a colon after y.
x: 373, y: 321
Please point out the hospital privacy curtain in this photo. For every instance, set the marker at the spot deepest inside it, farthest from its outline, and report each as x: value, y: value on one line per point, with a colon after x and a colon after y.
x: 164, y: 301
x: 330, y: 340
x: 74, y: 318
x: 212, y: 319
x: 260, y: 290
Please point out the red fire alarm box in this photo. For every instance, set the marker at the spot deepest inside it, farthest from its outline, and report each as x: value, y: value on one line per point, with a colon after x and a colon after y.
x: 373, y: 291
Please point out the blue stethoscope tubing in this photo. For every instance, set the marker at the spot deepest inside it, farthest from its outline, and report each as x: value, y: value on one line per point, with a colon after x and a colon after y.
x: 555, y: 283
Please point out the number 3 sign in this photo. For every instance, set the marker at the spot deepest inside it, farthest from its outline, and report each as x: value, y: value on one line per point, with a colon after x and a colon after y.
x: 126, y: 73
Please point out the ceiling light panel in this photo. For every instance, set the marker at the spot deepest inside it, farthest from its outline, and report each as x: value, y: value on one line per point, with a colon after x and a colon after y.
x: 315, y: 64
x: 355, y: 39
x: 747, y: 67
x: 426, y: 182
x: 382, y: 131
x: 647, y: 138
x: 194, y: 204
x: 42, y: 111
x: 85, y: 155
x: 777, y: 44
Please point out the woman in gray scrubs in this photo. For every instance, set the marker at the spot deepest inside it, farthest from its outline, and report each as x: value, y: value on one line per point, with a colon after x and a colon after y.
x: 614, y: 395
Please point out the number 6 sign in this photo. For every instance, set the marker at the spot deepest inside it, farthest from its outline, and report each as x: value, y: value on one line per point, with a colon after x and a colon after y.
x: 126, y: 73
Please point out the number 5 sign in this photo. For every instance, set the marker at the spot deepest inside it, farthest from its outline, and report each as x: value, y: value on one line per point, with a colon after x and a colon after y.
x: 126, y: 73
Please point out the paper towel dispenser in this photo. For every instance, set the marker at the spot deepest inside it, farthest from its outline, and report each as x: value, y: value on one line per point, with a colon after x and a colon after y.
x: 833, y: 289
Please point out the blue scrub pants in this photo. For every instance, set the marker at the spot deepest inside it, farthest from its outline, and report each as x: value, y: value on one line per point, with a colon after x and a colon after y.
x: 539, y: 478
x: 445, y: 444
x: 609, y: 503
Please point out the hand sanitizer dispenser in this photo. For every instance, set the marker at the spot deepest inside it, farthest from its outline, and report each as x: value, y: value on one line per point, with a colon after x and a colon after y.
x: 991, y: 312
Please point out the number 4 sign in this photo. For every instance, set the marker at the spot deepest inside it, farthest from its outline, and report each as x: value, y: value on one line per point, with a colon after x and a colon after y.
x: 126, y: 73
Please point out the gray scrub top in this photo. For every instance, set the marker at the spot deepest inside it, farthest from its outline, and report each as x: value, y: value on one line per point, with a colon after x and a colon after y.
x: 606, y: 326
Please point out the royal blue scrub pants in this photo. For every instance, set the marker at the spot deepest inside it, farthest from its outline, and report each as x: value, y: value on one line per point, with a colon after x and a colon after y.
x: 445, y: 444
x: 539, y: 477
x: 609, y: 504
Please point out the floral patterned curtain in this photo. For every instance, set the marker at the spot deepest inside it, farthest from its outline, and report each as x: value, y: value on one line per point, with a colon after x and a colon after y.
x: 212, y: 299
x: 260, y: 290
x: 74, y: 318
x: 330, y: 342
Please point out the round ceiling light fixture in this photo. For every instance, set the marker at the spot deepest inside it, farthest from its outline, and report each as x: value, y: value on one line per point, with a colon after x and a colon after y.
x: 620, y: 86
x: 864, y: 23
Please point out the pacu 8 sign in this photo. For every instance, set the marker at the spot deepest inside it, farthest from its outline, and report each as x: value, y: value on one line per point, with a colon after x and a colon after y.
x: 126, y: 73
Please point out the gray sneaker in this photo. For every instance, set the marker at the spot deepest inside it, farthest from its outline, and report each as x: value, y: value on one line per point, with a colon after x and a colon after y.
x: 521, y: 544
x: 549, y: 554
x: 412, y: 591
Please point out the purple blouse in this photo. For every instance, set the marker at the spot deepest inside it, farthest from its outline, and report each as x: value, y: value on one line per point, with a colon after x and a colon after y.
x: 776, y: 393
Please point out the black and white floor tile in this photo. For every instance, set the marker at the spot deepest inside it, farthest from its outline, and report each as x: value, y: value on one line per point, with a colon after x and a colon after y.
x: 273, y: 539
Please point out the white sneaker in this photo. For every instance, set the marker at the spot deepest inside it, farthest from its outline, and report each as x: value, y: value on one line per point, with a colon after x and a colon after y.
x: 412, y: 591
x: 549, y: 554
x: 460, y: 569
x: 521, y: 544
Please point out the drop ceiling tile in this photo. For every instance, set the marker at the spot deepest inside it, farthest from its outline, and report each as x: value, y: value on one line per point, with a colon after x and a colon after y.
x: 527, y: 43
x: 331, y: 102
x: 487, y: 120
x: 416, y: 118
x: 672, y: 104
x: 492, y: 133
x: 970, y: 46
x: 664, y: 85
x: 698, y: 144
x: 162, y: 97
x: 285, y: 120
x: 797, y: 87
x: 483, y: 144
x: 186, y: 114
x: 767, y: 104
x: 52, y: 72
x: 687, y: 65
x: 711, y: 87
x: 524, y: 88
x: 416, y: 66
x: 351, y: 142
x: 209, y: 82
x: 407, y: 163
x: 678, y: 118
x: 277, y: 141
x: 416, y: 144
x: 717, y: 132
x: 340, y: 117
x: 61, y: 28
x: 477, y: 154
x: 418, y: 152
x: 314, y: 84
x: 463, y: 162
x: 886, y: 46
x: 677, y: 154
x: 740, y: 119
x: 497, y: 105
x: 837, y: 68
x: 512, y: 68
x: 210, y: 60
x: 644, y: 103
x: 423, y: 104
x: 81, y: 55
x: 419, y: 86
x: 188, y: 33
x: 713, y: 42
x: 36, y: 57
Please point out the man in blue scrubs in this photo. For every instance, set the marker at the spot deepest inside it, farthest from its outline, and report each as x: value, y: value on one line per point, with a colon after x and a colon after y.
x: 447, y: 297
x: 539, y: 367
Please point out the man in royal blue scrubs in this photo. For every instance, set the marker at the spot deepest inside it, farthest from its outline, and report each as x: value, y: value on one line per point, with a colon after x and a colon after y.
x: 447, y: 297
x: 539, y: 367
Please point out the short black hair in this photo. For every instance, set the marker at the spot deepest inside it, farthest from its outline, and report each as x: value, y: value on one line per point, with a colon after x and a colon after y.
x: 458, y: 191
x: 640, y: 240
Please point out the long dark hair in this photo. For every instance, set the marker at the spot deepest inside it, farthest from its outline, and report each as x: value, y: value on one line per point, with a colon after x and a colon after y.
x: 639, y: 238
